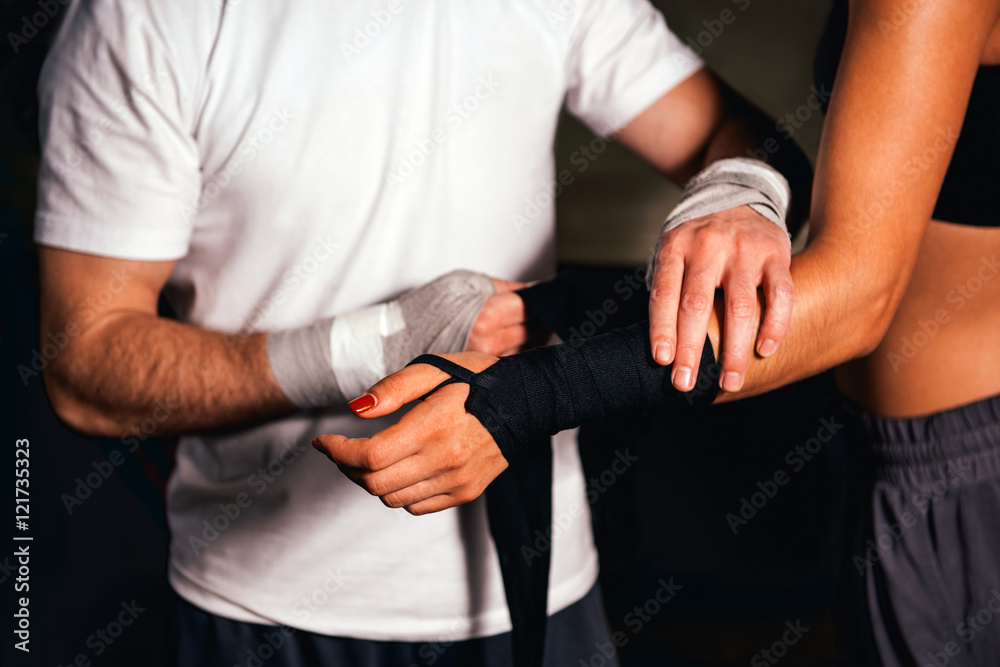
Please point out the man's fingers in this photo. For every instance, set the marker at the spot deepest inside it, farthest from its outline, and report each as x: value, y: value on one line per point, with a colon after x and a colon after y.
x: 396, y: 390
x: 506, y: 309
x: 779, y: 298
x: 700, y: 253
x: 502, y: 285
x: 664, y: 300
x: 500, y: 312
x: 738, y: 326
x: 512, y: 338
x: 697, y: 299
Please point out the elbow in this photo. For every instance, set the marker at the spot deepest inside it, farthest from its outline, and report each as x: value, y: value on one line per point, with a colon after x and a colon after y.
x: 78, y: 414
x: 878, y: 314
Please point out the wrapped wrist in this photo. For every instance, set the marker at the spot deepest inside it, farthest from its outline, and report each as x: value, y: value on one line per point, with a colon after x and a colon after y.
x: 338, y: 358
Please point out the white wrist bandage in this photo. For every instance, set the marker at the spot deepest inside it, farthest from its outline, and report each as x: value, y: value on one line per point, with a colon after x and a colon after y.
x: 726, y: 184
x: 338, y: 358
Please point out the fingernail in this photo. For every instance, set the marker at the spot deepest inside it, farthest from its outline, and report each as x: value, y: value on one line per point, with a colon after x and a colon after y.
x: 767, y: 347
x: 362, y: 404
x: 732, y: 382
x: 316, y: 443
x: 682, y: 378
x: 663, y: 353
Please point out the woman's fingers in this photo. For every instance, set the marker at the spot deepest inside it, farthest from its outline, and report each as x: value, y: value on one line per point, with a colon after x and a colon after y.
x: 435, y: 504
x: 436, y: 449
x: 396, y: 390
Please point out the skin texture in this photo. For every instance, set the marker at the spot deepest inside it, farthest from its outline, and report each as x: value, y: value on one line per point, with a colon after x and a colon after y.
x: 901, y: 95
x: 122, y: 361
x: 125, y: 360
x: 448, y: 465
x: 719, y: 250
x: 502, y: 327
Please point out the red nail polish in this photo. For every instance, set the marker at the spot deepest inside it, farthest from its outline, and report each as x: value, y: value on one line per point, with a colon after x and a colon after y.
x: 316, y: 443
x: 362, y: 404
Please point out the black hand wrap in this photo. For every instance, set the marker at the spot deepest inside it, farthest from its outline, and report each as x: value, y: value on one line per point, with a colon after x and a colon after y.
x: 543, y: 391
x: 522, y: 400
x: 580, y: 304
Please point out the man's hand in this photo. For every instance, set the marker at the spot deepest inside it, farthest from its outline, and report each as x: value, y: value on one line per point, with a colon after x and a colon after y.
x: 698, y: 122
x: 736, y: 250
x: 502, y: 329
x: 437, y: 456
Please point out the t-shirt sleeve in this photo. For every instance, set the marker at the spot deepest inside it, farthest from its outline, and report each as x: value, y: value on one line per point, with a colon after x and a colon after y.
x: 623, y: 59
x: 120, y: 165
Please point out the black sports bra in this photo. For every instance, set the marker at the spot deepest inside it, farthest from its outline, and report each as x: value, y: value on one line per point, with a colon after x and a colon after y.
x: 970, y: 194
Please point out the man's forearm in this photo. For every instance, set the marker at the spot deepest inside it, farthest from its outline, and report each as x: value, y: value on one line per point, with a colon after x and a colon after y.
x: 127, y: 363
x: 135, y: 366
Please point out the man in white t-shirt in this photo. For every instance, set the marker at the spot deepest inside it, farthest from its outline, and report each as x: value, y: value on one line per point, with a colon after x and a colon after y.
x: 270, y: 166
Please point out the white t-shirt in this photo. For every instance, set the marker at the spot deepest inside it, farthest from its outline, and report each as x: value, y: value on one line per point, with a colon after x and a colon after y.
x: 303, y: 159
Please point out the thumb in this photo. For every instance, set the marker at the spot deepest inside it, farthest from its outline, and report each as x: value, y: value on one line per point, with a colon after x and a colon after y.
x: 396, y: 390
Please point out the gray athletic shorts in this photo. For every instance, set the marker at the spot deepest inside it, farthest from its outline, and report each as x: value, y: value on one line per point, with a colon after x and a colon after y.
x: 576, y: 634
x: 922, y: 563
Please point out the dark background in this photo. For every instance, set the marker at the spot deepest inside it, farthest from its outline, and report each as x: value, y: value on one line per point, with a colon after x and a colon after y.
x: 665, y: 517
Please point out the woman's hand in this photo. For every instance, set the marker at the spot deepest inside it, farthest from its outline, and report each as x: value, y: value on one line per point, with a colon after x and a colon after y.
x: 437, y: 456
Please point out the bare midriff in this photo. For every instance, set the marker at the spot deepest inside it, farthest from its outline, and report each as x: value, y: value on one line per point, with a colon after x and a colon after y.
x: 942, y: 348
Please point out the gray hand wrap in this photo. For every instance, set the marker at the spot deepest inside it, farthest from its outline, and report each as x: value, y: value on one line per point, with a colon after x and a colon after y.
x: 338, y: 358
x: 726, y: 184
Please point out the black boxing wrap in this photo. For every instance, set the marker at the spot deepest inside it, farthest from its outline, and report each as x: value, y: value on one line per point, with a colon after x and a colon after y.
x: 522, y: 400
x: 579, y: 304
x: 540, y: 392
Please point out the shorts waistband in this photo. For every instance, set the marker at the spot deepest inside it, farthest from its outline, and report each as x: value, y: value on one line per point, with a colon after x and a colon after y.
x: 959, y: 443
